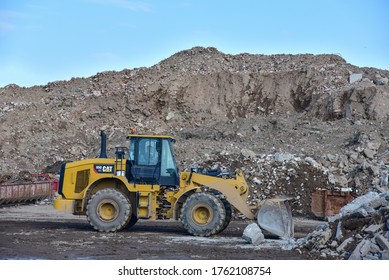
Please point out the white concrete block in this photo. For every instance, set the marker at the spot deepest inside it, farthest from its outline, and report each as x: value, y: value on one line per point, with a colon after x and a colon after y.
x: 355, y: 78
x: 253, y: 234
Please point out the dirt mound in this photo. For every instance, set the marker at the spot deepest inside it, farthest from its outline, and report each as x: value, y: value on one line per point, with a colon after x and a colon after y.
x: 214, y: 104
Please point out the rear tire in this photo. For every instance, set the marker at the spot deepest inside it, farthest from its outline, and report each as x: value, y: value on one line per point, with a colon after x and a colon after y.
x: 203, y: 214
x: 108, y: 210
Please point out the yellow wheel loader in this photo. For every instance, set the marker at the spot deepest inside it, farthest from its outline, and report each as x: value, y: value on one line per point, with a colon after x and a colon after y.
x: 114, y: 193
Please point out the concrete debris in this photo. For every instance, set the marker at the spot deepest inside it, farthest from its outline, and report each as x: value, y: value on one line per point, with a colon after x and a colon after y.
x: 382, y: 242
x: 257, y: 181
x: 253, y: 234
x: 344, y: 244
x: 358, y: 203
x: 373, y: 228
x: 339, y: 233
x: 384, y: 179
x: 340, y: 180
x: 248, y: 154
x: 368, y: 153
x: 355, y: 78
x: 360, y: 236
x: 356, y: 254
x: 381, y: 81
x: 281, y: 157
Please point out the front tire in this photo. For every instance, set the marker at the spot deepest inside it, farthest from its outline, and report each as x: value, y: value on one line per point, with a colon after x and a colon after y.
x: 108, y: 210
x: 203, y: 214
x: 228, y: 208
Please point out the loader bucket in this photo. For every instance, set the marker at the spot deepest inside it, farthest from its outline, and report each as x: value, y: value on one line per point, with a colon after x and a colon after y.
x: 275, y: 216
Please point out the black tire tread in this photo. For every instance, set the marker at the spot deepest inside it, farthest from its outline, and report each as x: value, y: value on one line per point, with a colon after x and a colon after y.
x: 124, y: 211
x: 219, y: 214
x: 228, y: 208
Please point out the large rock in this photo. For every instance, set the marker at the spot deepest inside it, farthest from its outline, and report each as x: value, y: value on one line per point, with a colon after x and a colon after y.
x: 369, y: 153
x: 355, y: 78
x: 381, y: 81
x: 281, y: 157
x: 253, y: 234
x: 341, y: 180
x: 248, y: 154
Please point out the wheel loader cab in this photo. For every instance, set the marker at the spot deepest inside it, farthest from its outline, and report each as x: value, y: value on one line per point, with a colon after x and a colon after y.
x: 151, y: 161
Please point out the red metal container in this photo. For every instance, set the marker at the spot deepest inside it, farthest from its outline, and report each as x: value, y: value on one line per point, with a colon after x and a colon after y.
x: 23, y: 192
x: 327, y: 203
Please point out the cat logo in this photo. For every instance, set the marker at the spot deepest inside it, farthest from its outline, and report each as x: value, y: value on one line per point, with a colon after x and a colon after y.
x: 100, y: 168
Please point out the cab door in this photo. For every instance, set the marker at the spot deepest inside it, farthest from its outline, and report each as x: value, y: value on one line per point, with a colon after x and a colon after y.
x: 144, y: 161
x: 151, y: 161
x: 169, y: 172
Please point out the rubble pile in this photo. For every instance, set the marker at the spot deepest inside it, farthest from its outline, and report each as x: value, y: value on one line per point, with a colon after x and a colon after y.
x: 298, y: 176
x: 359, y: 231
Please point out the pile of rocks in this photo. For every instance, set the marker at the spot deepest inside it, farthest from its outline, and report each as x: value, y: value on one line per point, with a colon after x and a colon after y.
x: 359, y: 231
x: 298, y: 176
x: 196, y: 88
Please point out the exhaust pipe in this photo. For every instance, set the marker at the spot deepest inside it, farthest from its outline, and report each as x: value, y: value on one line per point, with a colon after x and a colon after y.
x: 103, y: 147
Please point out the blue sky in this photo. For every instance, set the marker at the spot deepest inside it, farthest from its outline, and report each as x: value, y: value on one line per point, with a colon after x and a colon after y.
x: 43, y: 41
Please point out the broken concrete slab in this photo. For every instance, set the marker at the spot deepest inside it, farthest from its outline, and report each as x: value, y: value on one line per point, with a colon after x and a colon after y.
x: 339, y: 233
x: 355, y: 78
x: 366, y: 248
x: 382, y: 242
x: 344, y: 244
x: 358, y: 203
x: 376, y: 203
x: 356, y: 254
x: 373, y: 228
x: 253, y: 234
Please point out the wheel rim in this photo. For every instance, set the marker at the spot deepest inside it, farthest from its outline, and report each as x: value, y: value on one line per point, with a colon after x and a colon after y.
x: 202, y: 215
x: 108, y: 210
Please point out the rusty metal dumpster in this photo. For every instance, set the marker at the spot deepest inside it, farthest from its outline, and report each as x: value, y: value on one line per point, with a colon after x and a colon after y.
x: 326, y: 203
x: 25, y: 192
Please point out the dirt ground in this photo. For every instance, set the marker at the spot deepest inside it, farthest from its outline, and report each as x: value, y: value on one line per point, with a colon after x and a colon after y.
x: 40, y: 232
